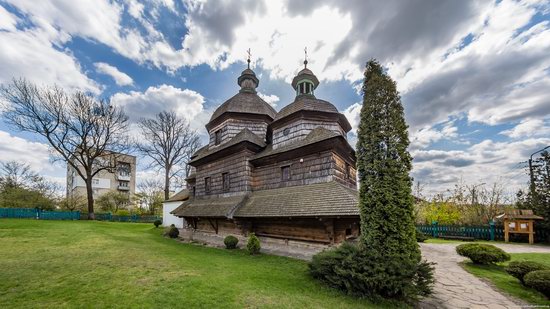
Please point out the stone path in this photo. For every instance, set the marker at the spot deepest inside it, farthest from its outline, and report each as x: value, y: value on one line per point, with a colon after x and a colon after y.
x: 456, y: 288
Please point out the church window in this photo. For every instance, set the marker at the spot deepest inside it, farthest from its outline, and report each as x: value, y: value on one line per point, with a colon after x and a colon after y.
x: 348, y: 171
x: 285, y: 173
x: 225, y: 181
x: 207, y: 184
x: 286, y: 131
x: 218, y: 137
x: 194, y: 191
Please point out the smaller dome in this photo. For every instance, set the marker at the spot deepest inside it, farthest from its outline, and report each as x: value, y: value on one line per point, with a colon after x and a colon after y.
x: 305, y: 74
x: 312, y: 104
x: 248, y: 81
x: 245, y: 102
x: 306, y: 103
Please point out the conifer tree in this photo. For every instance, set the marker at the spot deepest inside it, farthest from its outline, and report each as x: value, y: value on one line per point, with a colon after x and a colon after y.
x: 385, y: 196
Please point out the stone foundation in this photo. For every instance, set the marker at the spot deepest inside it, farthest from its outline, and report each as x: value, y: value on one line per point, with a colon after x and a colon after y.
x: 283, y: 247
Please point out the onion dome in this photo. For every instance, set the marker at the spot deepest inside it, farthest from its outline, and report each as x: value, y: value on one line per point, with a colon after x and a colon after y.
x: 305, y: 82
x: 246, y: 101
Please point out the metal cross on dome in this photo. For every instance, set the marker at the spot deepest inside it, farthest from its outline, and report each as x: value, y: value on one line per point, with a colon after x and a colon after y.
x: 249, y: 55
x: 305, y: 57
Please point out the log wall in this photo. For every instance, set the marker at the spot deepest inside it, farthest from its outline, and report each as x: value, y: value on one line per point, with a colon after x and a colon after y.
x: 300, y: 129
x: 231, y: 127
x: 240, y: 175
x: 321, y: 167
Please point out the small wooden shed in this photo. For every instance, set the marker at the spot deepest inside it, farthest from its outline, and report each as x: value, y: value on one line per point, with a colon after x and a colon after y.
x: 519, y: 221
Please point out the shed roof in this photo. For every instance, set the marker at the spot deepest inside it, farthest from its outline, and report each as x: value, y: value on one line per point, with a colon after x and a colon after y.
x: 316, y: 135
x: 209, y: 207
x: 329, y: 199
x: 245, y: 135
x: 526, y: 214
x: 315, y: 200
x: 179, y: 196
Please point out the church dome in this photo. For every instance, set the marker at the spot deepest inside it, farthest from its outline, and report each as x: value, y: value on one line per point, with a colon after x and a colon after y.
x: 247, y: 100
x: 305, y: 82
x: 304, y: 103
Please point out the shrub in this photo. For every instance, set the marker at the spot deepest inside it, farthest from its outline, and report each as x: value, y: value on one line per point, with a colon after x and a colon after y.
x: 122, y: 212
x: 253, y: 244
x: 171, y: 231
x: 231, y: 242
x: 539, y: 280
x: 421, y: 237
x: 157, y: 223
x: 519, y: 269
x: 482, y: 253
x: 349, y: 269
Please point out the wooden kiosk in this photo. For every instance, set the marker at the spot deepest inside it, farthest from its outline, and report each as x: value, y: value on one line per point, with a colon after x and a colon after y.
x: 519, y: 221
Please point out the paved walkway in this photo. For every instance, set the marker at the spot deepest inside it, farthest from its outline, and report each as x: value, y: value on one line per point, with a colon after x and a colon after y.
x: 456, y: 288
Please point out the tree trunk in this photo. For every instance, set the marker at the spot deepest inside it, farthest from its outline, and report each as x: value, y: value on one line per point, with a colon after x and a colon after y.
x: 166, y: 184
x: 90, y: 196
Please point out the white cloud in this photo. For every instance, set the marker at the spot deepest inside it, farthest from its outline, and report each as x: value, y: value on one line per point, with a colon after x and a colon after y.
x: 186, y: 103
x: 486, y: 161
x: 270, y: 99
x: 353, y: 113
x: 528, y: 128
x: 7, y: 20
x: 31, y: 54
x: 121, y: 79
x: 13, y: 148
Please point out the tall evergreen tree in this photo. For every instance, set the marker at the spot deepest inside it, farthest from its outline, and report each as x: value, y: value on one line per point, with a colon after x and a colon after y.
x: 385, y: 197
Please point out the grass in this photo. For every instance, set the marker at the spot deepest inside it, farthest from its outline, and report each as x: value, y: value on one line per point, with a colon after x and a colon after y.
x: 63, y: 264
x: 505, y: 282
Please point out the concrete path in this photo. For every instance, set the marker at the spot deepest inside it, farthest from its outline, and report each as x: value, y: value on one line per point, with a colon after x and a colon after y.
x: 456, y: 288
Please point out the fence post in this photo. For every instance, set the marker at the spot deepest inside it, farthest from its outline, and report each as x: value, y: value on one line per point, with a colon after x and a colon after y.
x: 492, y: 229
x: 434, y: 229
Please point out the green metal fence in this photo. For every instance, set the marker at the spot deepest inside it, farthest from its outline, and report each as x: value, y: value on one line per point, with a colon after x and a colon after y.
x: 130, y: 218
x: 36, y: 213
x: 490, y: 231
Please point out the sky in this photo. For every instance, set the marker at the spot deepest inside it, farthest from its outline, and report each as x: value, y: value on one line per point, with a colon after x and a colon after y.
x: 474, y: 76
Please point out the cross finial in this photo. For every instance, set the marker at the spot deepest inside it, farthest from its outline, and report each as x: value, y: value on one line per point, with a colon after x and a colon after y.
x: 305, y: 57
x: 249, y: 55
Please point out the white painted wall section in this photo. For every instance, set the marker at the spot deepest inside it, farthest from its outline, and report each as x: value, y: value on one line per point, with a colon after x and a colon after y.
x: 168, y: 218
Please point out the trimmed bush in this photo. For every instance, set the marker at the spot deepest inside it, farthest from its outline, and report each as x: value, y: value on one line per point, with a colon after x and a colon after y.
x: 253, y: 244
x: 421, y: 237
x: 539, y: 280
x: 157, y: 223
x: 230, y: 242
x: 349, y: 269
x: 519, y: 269
x: 171, y: 231
x: 483, y: 253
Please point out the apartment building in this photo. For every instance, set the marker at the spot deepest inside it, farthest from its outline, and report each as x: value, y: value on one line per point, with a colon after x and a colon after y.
x: 122, y: 180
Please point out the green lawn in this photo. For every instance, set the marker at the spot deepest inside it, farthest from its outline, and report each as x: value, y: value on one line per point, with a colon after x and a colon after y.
x: 104, y: 264
x: 502, y: 280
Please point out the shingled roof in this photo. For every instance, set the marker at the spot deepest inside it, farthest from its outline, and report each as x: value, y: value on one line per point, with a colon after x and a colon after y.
x: 245, y: 135
x: 307, y: 103
x: 316, y: 135
x: 180, y: 196
x: 245, y: 102
x: 321, y: 199
x: 209, y: 207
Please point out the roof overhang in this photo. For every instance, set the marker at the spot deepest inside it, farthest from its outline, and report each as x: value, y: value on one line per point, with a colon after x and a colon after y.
x: 224, y: 152
x: 238, y: 116
x: 315, y: 115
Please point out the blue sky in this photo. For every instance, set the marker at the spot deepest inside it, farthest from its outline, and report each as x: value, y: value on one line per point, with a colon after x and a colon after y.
x: 473, y: 75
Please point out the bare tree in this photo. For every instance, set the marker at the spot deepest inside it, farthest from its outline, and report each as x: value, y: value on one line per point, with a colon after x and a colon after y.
x: 150, y: 195
x: 20, y: 175
x: 169, y: 142
x: 87, y: 133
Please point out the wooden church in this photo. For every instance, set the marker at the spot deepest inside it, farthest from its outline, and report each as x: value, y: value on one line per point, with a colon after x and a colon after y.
x: 287, y: 175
